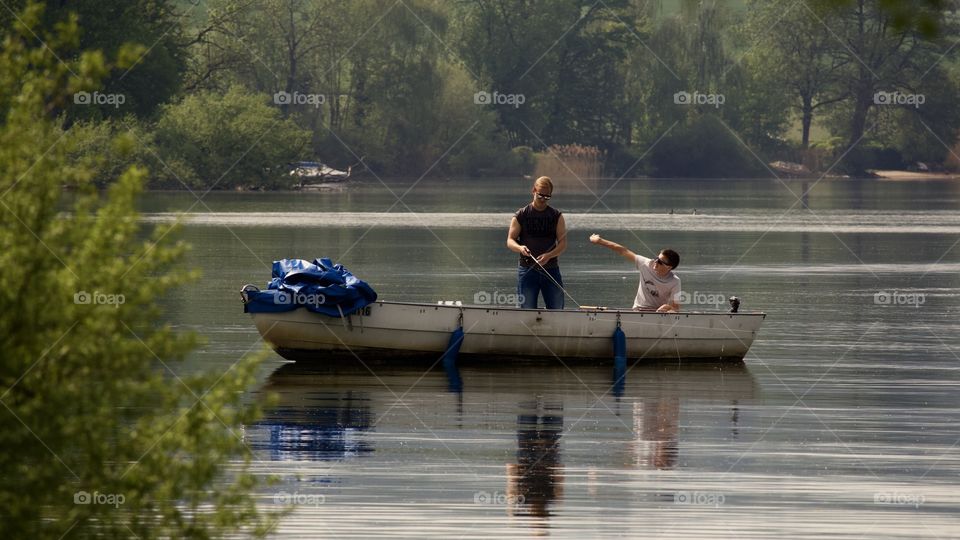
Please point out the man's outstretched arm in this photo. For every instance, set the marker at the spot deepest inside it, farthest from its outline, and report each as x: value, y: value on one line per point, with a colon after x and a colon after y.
x: 622, y: 251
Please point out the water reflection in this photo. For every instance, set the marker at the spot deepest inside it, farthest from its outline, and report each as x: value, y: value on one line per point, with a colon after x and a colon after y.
x: 658, y: 405
x: 536, y: 479
x: 656, y: 425
x: 325, y: 410
x: 311, y: 422
x: 392, y: 415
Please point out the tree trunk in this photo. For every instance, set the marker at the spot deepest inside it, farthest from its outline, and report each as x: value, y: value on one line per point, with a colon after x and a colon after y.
x: 863, y: 99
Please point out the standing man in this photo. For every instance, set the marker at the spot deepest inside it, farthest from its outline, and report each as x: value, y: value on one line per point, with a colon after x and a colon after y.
x: 659, y: 287
x: 539, y: 235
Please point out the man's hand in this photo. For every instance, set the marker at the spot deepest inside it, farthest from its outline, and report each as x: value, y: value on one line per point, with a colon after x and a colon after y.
x: 542, y: 260
x: 666, y: 308
x: 524, y: 250
x: 595, y: 238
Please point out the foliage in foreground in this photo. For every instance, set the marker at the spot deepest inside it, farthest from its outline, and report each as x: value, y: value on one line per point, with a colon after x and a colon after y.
x: 98, y: 439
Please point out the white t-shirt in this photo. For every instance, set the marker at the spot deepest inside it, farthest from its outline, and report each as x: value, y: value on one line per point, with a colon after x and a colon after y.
x: 655, y: 291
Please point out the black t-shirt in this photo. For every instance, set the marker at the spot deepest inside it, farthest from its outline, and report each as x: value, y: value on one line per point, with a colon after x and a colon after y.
x: 538, y: 231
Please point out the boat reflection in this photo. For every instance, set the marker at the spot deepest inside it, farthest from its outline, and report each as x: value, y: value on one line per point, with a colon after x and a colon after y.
x: 338, y: 410
x: 310, y: 421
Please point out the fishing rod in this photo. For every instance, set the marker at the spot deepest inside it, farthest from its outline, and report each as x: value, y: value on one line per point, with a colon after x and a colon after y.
x: 551, y: 277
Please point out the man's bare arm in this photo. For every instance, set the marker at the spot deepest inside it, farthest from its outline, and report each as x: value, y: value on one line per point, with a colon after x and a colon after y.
x: 622, y: 251
x: 512, y: 237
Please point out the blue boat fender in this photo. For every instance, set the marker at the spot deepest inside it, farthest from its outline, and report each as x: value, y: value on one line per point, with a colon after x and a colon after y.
x: 619, y: 361
x: 450, y: 360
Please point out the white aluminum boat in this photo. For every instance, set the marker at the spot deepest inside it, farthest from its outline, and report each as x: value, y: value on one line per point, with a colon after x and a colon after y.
x: 400, y: 328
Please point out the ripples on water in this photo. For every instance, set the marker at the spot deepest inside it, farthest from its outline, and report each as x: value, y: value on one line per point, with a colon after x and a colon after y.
x: 541, y: 449
x: 488, y: 442
x: 841, y: 422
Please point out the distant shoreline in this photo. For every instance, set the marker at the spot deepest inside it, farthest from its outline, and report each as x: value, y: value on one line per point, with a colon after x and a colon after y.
x: 877, y: 175
x: 905, y: 176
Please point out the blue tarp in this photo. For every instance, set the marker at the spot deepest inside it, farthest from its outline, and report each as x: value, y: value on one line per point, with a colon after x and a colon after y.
x: 320, y: 286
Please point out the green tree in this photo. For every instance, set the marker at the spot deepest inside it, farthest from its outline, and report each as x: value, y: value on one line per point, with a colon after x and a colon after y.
x: 152, y: 78
x: 384, y: 97
x: 689, y: 52
x: 879, y: 58
x: 87, y: 410
x: 704, y: 149
x: 220, y: 141
x: 798, y: 55
x: 924, y: 16
x: 564, y: 57
x: 104, y: 145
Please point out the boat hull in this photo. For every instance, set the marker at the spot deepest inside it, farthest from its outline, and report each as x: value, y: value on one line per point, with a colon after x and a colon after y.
x: 410, y: 329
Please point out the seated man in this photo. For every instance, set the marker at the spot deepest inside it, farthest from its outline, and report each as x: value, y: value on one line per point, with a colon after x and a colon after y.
x: 659, y: 287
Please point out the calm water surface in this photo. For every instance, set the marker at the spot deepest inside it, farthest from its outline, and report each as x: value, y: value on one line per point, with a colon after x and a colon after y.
x: 841, y: 422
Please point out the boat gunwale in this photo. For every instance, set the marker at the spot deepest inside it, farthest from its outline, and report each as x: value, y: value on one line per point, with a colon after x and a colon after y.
x: 618, y: 311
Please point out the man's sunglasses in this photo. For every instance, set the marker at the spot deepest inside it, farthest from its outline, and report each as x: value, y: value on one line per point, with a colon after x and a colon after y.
x: 658, y: 260
x: 543, y: 197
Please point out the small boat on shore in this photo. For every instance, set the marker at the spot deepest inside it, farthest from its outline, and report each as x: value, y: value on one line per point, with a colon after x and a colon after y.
x: 316, y: 172
x: 410, y: 329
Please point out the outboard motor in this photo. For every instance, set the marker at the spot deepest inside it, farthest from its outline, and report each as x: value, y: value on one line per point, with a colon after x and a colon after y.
x: 734, y: 304
x: 248, y: 288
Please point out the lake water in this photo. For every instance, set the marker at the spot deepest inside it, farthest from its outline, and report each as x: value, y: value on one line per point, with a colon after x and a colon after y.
x: 841, y: 422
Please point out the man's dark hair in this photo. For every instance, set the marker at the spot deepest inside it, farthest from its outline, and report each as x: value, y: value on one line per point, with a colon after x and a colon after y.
x: 672, y: 257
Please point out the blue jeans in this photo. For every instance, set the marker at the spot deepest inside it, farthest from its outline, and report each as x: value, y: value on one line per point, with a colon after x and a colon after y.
x: 532, y: 282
